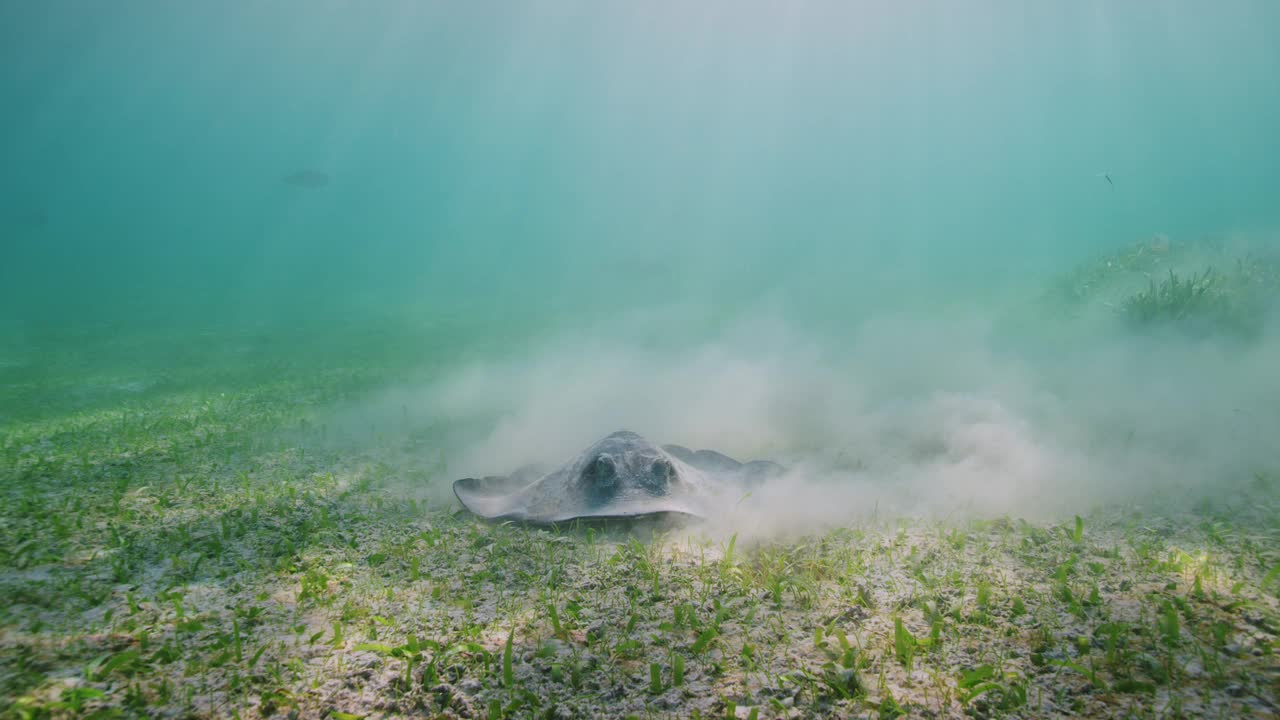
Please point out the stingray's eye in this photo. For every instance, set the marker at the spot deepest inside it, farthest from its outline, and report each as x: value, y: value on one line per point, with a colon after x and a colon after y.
x: 663, y: 471
x: 600, y: 470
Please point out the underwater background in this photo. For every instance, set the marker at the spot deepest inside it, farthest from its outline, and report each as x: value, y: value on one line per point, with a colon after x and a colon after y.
x: 768, y: 225
x: 995, y: 283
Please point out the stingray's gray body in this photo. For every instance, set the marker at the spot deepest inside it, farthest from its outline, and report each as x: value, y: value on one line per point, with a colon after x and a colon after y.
x: 621, y: 476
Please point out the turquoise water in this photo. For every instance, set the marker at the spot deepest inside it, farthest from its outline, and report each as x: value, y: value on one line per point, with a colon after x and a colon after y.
x: 502, y: 153
x: 651, y: 175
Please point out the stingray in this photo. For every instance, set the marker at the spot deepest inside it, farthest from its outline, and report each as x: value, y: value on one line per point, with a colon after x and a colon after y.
x: 307, y: 178
x: 620, y: 476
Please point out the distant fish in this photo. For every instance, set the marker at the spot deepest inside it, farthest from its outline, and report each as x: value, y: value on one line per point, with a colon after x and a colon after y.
x: 1107, y: 176
x: 306, y: 179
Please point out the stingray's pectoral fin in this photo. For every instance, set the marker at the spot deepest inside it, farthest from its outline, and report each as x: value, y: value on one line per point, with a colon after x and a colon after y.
x: 706, y: 460
x: 680, y: 452
x: 488, y: 497
x: 758, y: 472
x: 527, y: 474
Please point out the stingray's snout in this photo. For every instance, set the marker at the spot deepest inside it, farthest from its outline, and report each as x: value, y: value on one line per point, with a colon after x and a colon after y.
x: 600, y: 479
x: 601, y: 471
x: 661, y: 475
x: 603, y: 478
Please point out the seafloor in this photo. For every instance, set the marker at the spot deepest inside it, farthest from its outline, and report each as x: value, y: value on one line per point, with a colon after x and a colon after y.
x: 191, y: 545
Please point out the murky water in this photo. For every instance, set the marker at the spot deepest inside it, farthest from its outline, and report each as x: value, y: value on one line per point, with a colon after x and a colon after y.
x: 855, y: 207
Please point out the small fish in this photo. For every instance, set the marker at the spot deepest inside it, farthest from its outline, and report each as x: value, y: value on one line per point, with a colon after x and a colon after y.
x: 307, y: 178
x: 1107, y: 176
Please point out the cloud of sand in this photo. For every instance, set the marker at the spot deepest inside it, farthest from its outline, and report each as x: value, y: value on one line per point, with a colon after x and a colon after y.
x: 910, y: 414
